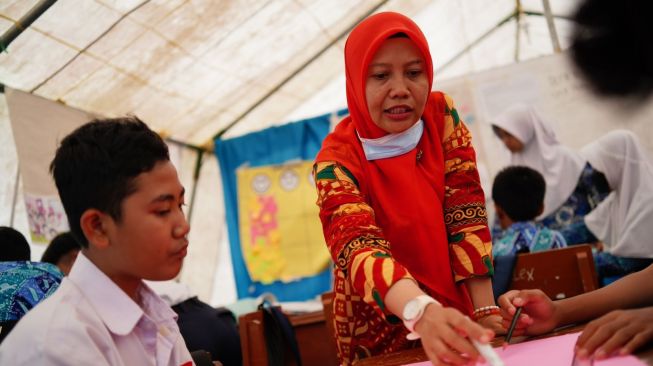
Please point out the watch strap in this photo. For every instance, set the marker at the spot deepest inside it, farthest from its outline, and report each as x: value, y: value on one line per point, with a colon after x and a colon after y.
x: 423, y: 301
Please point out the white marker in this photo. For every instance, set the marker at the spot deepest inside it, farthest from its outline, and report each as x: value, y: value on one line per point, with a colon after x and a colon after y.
x: 488, y: 353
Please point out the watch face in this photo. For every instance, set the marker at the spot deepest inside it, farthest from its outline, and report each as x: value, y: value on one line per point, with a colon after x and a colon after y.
x: 411, y: 309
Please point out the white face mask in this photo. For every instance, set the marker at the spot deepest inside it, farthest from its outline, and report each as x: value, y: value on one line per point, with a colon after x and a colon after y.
x: 393, y: 144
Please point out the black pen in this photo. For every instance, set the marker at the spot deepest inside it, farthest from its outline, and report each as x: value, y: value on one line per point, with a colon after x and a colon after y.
x: 513, y: 323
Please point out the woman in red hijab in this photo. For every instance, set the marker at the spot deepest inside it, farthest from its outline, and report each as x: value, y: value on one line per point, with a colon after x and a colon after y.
x: 402, y: 207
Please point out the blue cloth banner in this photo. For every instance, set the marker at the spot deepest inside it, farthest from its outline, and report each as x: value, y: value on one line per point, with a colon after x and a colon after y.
x: 276, y: 145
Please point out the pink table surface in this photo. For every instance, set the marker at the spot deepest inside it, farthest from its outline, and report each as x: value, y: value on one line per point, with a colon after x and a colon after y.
x: 557, y: 350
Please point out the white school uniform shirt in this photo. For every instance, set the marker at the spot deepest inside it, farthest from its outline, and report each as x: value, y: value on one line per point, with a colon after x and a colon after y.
x: 89, y: 320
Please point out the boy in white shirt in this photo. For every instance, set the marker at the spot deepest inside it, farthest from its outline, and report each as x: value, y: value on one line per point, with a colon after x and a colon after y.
x: 124, y: 204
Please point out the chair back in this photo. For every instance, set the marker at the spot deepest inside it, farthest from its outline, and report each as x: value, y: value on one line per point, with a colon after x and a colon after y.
x: 311, y: 334
x: 559, y: 273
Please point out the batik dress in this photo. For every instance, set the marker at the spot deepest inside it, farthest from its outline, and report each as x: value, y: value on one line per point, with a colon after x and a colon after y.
x: 364, y: 265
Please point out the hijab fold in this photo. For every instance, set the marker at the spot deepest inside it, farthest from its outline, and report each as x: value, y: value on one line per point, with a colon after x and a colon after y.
x: 560, y: 166
x: 624, y: 220
x: 406, y: 192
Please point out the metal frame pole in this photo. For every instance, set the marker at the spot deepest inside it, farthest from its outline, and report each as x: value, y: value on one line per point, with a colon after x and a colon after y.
x: 551, y: 25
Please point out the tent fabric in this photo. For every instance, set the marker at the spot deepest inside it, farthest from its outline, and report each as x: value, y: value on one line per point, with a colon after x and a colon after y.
x: 29, y: 115
x: 276, y: 145
x: 192, y: 68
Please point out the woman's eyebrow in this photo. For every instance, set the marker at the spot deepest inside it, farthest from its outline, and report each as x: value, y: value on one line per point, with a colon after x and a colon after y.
x: 382, y: 64
x: 414, y: 62
x: 379, y: 64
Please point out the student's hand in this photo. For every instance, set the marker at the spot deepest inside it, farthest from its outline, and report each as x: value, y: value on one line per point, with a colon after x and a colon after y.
x: 444, y: 332
x: 538, y: 311
x: 494, y: 322
x: 620, y: 332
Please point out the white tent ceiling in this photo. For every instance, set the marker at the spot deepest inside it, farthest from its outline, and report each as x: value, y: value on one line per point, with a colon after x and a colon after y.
x: 191, y: 68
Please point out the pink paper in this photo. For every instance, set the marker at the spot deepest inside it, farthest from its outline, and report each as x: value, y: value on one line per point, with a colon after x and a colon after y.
x: 557, y: 350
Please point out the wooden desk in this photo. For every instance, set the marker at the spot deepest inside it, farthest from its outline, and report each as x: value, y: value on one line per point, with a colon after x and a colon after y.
x: 417, y: 354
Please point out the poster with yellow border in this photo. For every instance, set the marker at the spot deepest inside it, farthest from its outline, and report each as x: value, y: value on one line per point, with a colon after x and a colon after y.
x: 280, y: 230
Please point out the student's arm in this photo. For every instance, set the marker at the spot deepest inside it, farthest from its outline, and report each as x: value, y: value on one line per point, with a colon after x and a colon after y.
x: 541, y: 315
x: 470, y: 244
x: 634, y: 290
x: 356, y: 243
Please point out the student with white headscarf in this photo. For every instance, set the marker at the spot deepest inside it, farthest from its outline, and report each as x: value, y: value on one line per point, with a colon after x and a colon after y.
x: 605, y: 31
x: 573, y: 186
x: 623, y: 220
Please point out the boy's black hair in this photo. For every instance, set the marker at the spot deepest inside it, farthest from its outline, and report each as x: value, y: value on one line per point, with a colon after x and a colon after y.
x: 95, y: 166
x: 61, y: 245
x: 13, y: 245
x: 519, y: 191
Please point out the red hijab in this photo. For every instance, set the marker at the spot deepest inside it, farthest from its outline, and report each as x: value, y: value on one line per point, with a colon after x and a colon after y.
x: 406, y: 193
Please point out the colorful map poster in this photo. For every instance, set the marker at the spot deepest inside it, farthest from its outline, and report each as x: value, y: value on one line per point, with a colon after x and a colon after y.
x: 280, y: 231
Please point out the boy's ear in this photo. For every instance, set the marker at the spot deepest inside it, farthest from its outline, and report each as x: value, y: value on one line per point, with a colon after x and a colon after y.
x: 94, y: 227
x: 539, y: 212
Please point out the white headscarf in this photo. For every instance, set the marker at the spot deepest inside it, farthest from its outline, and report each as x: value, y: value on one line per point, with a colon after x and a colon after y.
x: 624, y: 220
x: 560, y: 166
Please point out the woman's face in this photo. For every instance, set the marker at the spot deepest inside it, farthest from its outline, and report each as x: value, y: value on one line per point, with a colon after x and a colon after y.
x: 512, y: 143
x: 397, y: 85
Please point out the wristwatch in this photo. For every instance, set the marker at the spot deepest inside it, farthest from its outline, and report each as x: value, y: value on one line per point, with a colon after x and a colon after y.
x: 413, y: 311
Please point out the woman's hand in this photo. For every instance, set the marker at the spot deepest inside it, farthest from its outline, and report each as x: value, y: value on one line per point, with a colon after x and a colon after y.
x: 446, y: 334
x: 620, y: 331
x: 538, y: 311
x: 493, y: 322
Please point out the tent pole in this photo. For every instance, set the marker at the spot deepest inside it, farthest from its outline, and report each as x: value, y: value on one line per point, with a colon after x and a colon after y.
x: 518, y: 19
x: 551, y: 25
x: 196, y: 176
x: 486, y: 34
x: 15, y: 198
x: 24, y: 22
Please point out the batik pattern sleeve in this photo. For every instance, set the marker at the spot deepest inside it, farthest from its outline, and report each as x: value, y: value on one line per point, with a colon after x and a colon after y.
x: 470, y: 243
x: 354, y: 240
